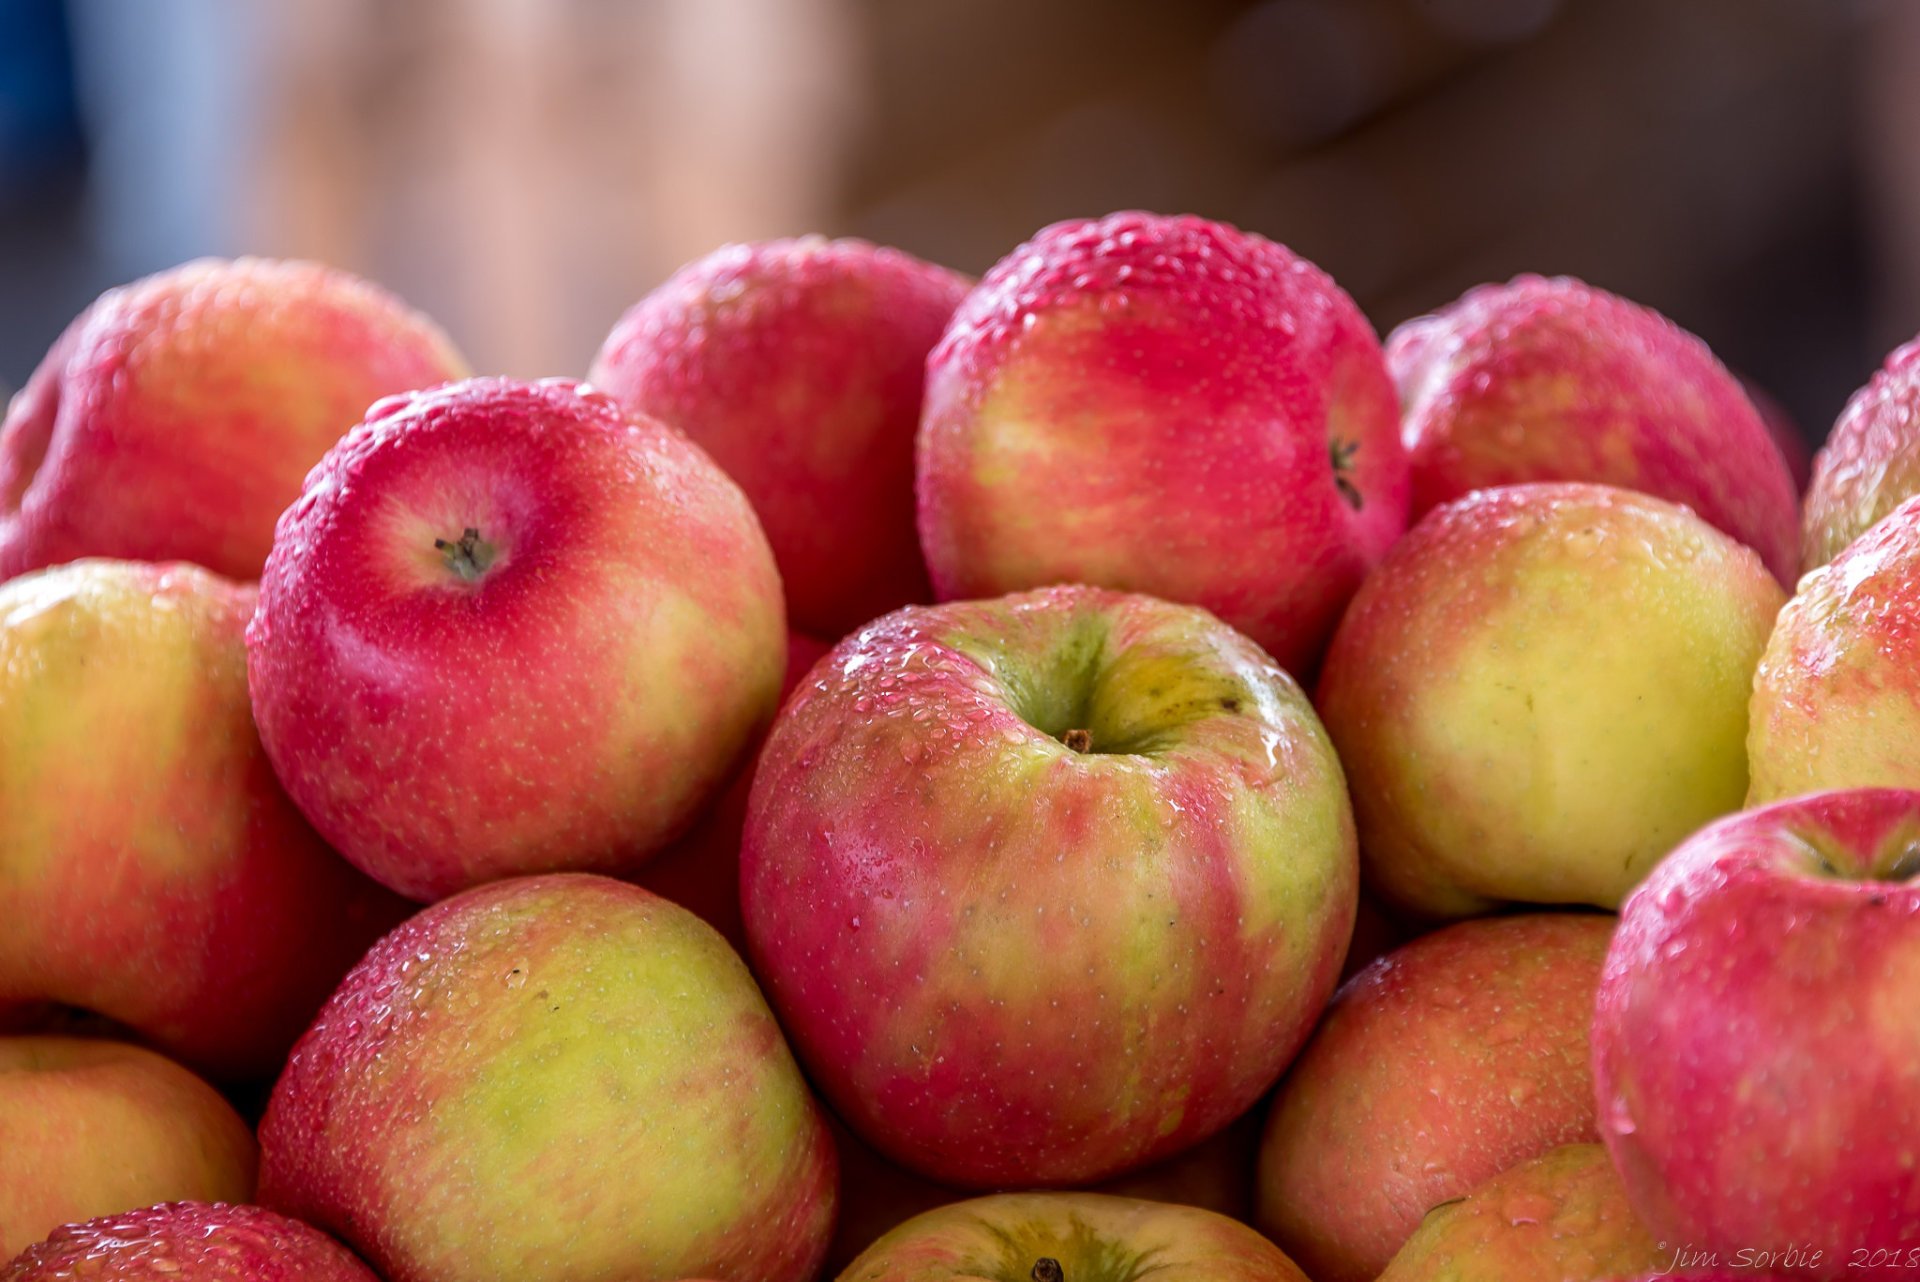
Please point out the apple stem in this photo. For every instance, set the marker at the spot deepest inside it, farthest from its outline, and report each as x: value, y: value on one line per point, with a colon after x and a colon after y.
x: 1047, y: 1269
x: 1080, y: 741
x: 468, y: 556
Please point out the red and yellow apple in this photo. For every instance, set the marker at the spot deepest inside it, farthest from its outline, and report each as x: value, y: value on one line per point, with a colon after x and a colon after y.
x: 1046, y: 887
x: 151, y: 869
x: 91, y: 1127
x: 558, y: 1077
x: 1540, y: 691
x: 1071, y: 1237
x: 1170, y: 406
x: 188, y: 1242
x: 1554, y: 380
x: 174, y: 418
x: 1756, y: 1057
x: 507, y: 629
x: 1870, y: 463
x: 1436, y: 1068
x: 799, y: 365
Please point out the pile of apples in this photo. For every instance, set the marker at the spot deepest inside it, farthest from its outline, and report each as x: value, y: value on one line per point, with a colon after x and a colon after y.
x: 436, y: 772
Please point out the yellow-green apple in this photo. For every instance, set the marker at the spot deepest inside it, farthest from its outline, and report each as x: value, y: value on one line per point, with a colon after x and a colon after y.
x: 701, y: 870
x: 1071, y: 1237
x: 799, y: 364
x: 1562, y: 1216
x: 1870, y: 463
x: 1836, y: 700
x: 1540, y: 691
x: 1554, y: 380
x: 151, y: 869
x: 174, y: 418
x: 1756, y: 1060
x: 1436, y: 1068
x: 510, y: 628
x: 1166, y: 405
x: 554, y: 1077
x: 1049, y: 886
x: 188, y: 1242
x: 91, y: 1127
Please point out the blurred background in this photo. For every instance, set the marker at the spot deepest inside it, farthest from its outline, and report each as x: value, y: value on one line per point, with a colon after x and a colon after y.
x: 525, y: 169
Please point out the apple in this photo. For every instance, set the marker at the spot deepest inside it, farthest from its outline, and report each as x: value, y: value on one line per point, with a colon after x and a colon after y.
x: 553, y: 1077
x: 1046, y: 887
x: 151, y: 869
x: 1540, y: 691
x: 1562, y: 1215
x: 701, y: 870
x: 1071, y: 1237
x: 1870, y: 463
x: 93, y: 1127
x: 1170, y: 406
x: 174, y: 418
x: 188, y: 1242
x: 1554, y: 380
x: 1436, y: 1068
x: 1836, y: 700
x: 799, y: 364
x: 507, y: 629
x: 1756, y: 1063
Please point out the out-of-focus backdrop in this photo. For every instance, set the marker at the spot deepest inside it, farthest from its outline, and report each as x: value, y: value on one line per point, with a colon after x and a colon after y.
x: 525, y: 169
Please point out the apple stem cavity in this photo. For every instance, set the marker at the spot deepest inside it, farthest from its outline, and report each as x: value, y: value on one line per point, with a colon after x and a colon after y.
x: 1080, y: 741
x: 468, y: 556
x: 1341, y: 454
x: 1046, y: 1268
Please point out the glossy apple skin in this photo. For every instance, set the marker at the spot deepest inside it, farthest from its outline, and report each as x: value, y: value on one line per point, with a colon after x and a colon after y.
x: 188, y: 1242
x: 1154, y: 404
x: 174, y: 418
x: 1553, y: 380
x: 1836, y: 700
x: 1870, y: 463
x: 1755, y: 1064
x: 1093, y: 1237
x: 92, y: 1127
x: 1560, y: 1215
x: 1435, y: 1069
x: 556, y: 1077
x: 799, y: 366
x: 1540, y: 691
x: 1007, y: 962
x: 571, y: 707
x: 154, y: 871
x: 701, y: 870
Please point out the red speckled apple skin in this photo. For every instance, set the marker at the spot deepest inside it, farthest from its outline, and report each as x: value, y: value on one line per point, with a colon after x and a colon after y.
x: 188, y: 1242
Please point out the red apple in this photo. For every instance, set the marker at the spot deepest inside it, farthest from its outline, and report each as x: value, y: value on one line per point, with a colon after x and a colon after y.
x: 91, y: 1127
x: 188, y: 1242
x: 558, y: 1077
x: 1047, y: 887
x: 1436, y: 1068
x: 1167, y: 405
x: 798, y: 364
x: 174, y: 418
x: 1071, y: 1237
x: 507, y: 629
x: 1540, y: 691
x: 1554, y: 380
x: 1870, y: 463
x: 151, y: 869
x: 1756, y: 1059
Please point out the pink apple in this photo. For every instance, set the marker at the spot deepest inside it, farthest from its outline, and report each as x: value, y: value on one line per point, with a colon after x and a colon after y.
x: 509, y: 628
x: 188, y: 1242
x: 1436, y: 1068
x: 174, y: 418
x: 1046, y: 887
x: 1756, y: 1060
x: 151, y: 869
x: 546, y: 1078
x: 1166, y: 405
x: 1871, y: 461
x: 798, y: 364
x: 1554, y: 380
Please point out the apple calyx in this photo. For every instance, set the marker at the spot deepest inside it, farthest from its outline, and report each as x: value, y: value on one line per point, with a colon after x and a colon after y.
x: 468, y: 556
x: 1341, y: 453
x: 1080, y: 741
x: 1046, y: 1268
